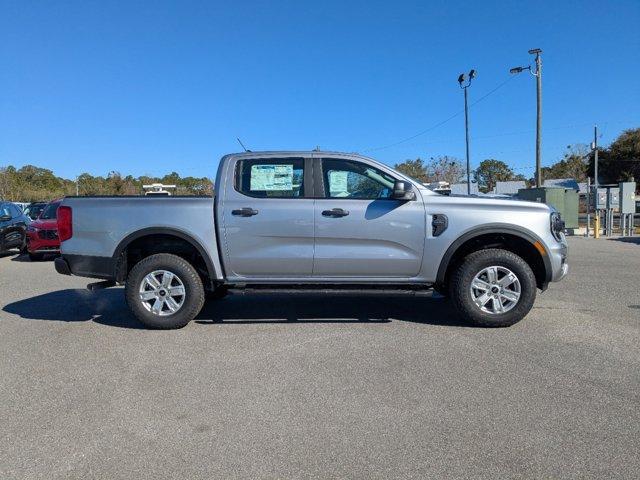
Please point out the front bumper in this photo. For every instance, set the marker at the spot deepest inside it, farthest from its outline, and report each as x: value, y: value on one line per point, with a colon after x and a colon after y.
x: 35, y: 244
x: 558, y: 255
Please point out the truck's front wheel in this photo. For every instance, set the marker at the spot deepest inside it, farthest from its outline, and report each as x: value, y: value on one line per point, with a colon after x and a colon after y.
x: 164, y: 291
x: 493, y: 288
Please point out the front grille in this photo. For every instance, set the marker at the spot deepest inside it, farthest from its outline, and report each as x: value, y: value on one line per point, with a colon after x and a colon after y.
x: 48, y: 234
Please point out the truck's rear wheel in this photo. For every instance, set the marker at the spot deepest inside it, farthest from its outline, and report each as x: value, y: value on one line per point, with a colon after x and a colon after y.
x: 493, y: 288
x: 164, y: 291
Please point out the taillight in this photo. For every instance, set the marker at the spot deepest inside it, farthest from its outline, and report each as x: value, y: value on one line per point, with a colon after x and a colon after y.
x: 65, y: 228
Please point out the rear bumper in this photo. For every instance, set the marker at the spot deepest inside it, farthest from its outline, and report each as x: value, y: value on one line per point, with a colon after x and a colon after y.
x: 86, y: 266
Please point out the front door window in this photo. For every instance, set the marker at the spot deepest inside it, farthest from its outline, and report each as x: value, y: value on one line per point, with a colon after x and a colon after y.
x: 355, y: 180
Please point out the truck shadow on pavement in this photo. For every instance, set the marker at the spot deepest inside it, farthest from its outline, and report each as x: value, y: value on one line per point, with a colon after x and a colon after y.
x: 305, y: 308
x: 108, y: 307
x: 635, y: 240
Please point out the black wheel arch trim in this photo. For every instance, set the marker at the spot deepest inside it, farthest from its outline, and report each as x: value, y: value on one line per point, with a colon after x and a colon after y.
x: 126, y: 241
x: 495, y: 228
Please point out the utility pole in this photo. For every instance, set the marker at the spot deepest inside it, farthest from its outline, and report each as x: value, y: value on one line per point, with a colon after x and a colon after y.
x: 596, y: 227
x: 77, y: 186
x: 595, y: 156
x: 461, y: 81
x: 538, y: 75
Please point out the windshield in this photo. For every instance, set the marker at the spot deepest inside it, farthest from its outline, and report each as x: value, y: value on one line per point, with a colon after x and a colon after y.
x: 50, y: 212
x: 33, y: 211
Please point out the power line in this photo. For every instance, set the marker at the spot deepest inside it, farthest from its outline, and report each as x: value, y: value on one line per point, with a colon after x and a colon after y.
x: 492, y: 91
x: 439, y: 124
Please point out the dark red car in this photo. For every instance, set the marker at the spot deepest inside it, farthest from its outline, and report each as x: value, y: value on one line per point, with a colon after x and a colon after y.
x: 42, y: 233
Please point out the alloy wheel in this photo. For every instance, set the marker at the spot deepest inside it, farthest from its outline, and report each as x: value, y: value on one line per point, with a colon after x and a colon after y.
x: 495, y: 290
x: 162, y: 292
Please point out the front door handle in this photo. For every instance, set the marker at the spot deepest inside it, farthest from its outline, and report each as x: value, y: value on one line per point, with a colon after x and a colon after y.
x: 335, y: 212
x: 244, y: 212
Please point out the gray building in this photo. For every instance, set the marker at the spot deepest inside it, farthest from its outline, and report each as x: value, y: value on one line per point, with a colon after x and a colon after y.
x: 568, y: 183
x: 509, y: 188
x: 461, y: 189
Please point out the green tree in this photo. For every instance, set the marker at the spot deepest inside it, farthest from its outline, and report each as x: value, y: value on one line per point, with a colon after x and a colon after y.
x: 31, y: 183
x: 621, y: 161
x: 442, y: 168
x: 627, y: 145
x: 491, y: 171
x: 575, y: 164
x: 445, y: 169
x: 415, y: 169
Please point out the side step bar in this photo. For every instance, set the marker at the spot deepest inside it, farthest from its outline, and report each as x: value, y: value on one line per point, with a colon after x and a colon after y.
x: 334, y: 291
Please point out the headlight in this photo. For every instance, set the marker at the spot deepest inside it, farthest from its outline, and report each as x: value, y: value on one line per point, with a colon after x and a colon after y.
x: 557, y: 225
x: 31, y: 229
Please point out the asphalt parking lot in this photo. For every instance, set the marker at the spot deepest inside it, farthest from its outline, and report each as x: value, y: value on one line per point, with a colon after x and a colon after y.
x: 312, y: 387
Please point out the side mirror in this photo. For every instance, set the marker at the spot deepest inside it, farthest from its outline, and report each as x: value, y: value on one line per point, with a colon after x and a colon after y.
x: 5, y: 218
x: 403, y: 191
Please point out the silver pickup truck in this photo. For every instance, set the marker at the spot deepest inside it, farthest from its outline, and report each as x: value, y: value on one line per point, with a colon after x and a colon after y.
x: 320, y: 221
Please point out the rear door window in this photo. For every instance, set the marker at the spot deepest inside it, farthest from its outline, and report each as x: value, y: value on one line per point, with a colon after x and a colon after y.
x: 271, y: 177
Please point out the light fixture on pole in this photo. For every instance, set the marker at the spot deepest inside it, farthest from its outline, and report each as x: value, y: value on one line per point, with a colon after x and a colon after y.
x: 538, y: 74
x: 464, y: 83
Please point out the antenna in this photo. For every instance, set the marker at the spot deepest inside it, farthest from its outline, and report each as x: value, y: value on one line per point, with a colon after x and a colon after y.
x: 242, y: 145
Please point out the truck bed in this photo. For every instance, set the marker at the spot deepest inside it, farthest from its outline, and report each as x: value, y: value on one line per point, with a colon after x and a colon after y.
x: 102, y: 223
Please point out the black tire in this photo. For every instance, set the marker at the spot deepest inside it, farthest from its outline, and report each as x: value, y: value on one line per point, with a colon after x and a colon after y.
x: 461, y: 295
x: 220, y: 292
x: 35, y: 257
x: 193, y: 291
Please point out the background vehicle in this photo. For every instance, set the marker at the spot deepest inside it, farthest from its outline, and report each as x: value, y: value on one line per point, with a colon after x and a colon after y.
x: 33, y: 209
x: 21, y: 205
x: 42, y: 233
x: 313, y: 220
x: 13, y: 224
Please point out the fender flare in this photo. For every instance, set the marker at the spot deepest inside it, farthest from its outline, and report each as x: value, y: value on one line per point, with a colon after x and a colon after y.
x: 126, y: 241
x: 521, y: 232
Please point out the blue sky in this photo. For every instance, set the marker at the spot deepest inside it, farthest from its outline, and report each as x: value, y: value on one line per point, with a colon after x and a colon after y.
x: 151, y: 87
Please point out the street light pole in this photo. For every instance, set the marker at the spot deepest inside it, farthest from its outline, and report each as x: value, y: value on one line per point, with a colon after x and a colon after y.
x: 466, y: 135
x: 538, y: 75
x: 461, y: 81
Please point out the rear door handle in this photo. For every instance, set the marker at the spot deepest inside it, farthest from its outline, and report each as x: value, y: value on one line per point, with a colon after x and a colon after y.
x: 335, y: 212
x: 244, y: 212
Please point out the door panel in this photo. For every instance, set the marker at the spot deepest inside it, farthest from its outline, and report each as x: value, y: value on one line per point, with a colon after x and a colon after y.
x: 267, y: 232
x: 378, y: 238
x: 360, y: 237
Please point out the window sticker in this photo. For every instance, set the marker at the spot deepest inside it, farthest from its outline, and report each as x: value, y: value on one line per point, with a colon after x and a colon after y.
x: 338, y: 181
x: 271, y: 177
